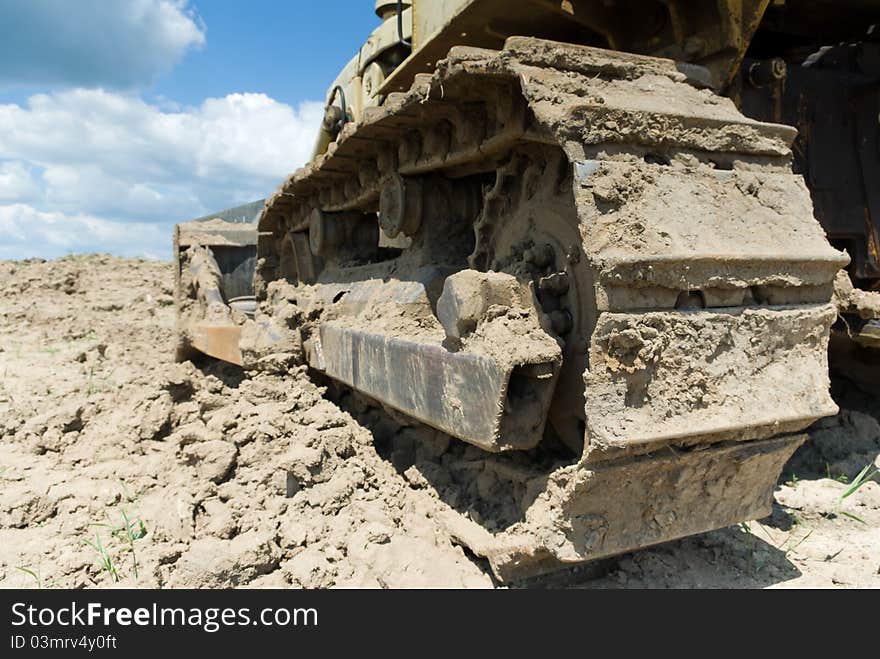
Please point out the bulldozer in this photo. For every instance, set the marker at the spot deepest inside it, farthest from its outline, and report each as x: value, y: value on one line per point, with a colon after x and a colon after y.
x: 606, y: 237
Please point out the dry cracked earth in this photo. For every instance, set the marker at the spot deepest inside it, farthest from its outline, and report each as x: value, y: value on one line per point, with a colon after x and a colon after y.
x: 119, y: 467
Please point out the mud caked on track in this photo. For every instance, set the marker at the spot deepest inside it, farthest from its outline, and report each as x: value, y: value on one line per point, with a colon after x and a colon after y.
x: 118, y: 466
x: 577, y: 245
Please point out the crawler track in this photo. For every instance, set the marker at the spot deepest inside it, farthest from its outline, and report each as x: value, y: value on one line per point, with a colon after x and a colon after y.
x: 680, y: 287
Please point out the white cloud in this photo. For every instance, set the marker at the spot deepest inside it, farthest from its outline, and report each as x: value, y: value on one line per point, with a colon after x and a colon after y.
x: 17, y: 182
x: 92, y: 43
x: 116, y: 170
x: 29, y: 232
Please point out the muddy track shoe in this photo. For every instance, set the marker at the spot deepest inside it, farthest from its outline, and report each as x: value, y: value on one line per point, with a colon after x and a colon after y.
x: 565, y: 242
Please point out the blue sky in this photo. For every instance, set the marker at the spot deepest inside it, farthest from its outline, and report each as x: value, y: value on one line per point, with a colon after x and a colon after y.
x: 288, y: 49
x: 118, y: 119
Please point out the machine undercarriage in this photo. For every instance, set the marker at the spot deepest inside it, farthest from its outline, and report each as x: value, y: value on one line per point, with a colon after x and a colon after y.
x: 555, y: 251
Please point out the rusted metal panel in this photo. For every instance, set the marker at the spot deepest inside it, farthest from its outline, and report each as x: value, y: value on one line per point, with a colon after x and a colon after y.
x: 832, y: 98
x: 218, y: 341
x: 461, y: 393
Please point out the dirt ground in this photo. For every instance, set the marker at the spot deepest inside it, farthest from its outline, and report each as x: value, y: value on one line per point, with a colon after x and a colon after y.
x: 121, y: 468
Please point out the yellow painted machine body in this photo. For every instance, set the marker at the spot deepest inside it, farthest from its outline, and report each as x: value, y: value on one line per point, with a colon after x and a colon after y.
x: 714, y: 35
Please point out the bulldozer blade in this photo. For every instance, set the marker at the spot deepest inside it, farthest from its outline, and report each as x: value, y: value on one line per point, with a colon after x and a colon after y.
x: 218, y: 341
x: 215, y: 258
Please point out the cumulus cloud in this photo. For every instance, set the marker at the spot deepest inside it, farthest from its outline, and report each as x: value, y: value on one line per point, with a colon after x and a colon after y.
x: 93, y: 170
x: 17, y: 182
x: 94, y: 43
x: 29, y: 232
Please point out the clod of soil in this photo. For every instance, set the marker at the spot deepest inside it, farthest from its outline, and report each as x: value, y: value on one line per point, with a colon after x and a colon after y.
x: 119, y: 466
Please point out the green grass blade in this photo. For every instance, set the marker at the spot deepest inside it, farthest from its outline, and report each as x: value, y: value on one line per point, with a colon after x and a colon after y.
x: 33, y: 575
x: 858, y: 481
x: 851, y: 516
